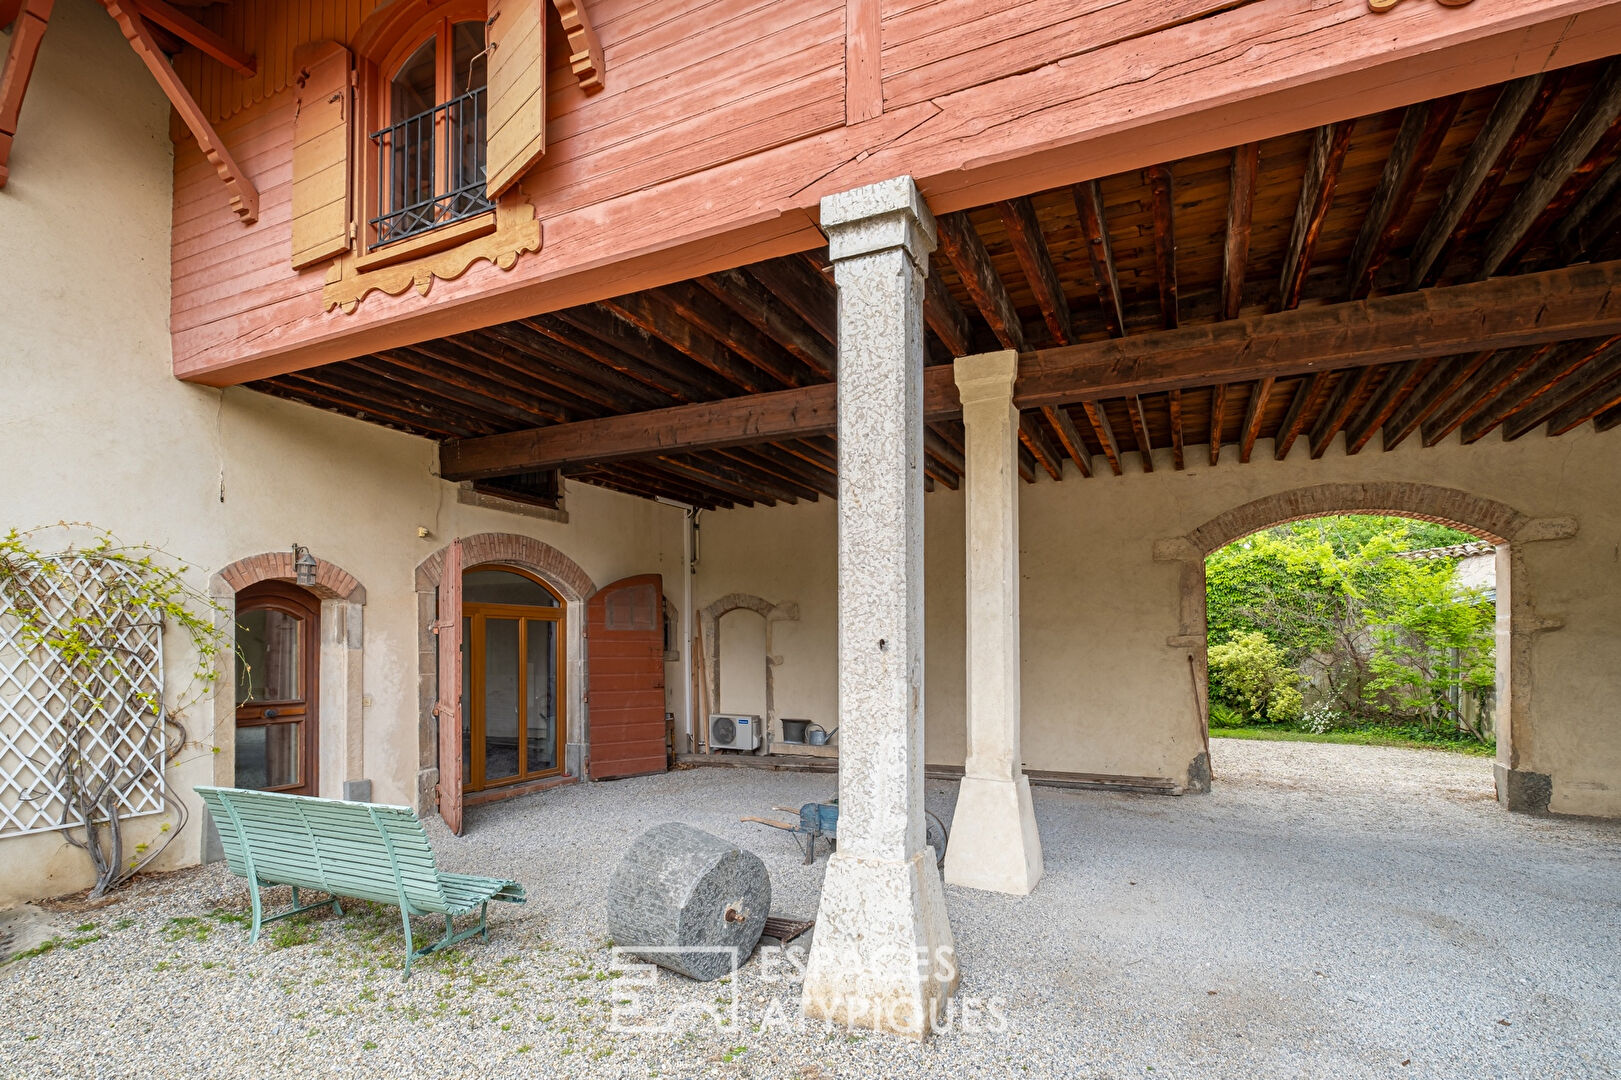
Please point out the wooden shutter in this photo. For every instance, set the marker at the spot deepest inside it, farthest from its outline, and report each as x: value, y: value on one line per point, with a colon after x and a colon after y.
x: 517, y: 101
x: 625, y: 678
x: 449, y: 707
x: 321, y: 140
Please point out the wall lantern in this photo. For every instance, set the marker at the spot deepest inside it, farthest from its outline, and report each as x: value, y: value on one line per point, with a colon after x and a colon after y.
x: 303, y: 566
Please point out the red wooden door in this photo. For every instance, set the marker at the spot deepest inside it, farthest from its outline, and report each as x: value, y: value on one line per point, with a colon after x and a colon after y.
x: 449, y: 707
x: 625, y: 678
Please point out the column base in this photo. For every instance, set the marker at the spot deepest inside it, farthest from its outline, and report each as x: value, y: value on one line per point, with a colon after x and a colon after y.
x: 883, y: 956
x: 994, y: 843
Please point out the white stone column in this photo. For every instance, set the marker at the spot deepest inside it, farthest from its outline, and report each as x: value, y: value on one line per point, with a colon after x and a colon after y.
x: 994, y: 844
x: 883, y: 956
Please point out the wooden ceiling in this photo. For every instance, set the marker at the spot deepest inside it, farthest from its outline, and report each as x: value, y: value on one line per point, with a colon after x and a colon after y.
x: 1503, y: 180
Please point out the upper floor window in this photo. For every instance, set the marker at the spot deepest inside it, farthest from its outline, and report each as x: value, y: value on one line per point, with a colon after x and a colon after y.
x: 430, y: 156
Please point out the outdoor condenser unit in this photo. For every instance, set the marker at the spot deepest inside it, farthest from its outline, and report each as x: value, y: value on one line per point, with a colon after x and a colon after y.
x: 731, y: 731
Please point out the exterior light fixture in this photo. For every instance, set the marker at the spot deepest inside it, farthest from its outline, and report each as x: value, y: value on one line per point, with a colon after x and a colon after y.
x: 303, y: 566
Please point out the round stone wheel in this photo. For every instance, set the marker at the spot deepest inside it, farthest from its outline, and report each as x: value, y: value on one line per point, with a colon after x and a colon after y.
x: 688, y: 901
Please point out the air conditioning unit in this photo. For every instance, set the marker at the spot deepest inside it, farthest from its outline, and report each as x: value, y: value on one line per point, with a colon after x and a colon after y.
x: 730, y: 731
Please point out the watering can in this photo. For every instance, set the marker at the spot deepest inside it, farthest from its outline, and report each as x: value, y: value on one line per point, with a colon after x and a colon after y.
x: 816, y: 736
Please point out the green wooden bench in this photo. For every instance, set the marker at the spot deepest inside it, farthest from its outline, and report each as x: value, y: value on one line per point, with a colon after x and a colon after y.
x: 347, y: 849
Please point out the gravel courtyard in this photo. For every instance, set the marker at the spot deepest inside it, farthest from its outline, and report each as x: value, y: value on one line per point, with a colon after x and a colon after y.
x: 1337, y: 911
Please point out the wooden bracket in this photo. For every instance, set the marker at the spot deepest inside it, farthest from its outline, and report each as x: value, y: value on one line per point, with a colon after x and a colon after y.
x: 190, y: 30
x: 26, y: 34
x: 584, y: 50
x: 244, y: 196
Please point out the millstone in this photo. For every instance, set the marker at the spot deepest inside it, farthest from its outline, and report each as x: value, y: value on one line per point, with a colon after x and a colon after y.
x: 680, y: 887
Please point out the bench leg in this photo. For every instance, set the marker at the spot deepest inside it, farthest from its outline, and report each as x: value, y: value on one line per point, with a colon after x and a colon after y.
x: 451, y: 937
x: 253, y: 892
x: 410, y: 954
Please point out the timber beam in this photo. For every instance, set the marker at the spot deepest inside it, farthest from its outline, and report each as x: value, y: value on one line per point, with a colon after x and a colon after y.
x: 27, y: 31
x: 1502, y: 313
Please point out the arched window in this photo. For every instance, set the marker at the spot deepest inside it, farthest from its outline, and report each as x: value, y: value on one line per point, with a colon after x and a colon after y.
x: 429, y: 144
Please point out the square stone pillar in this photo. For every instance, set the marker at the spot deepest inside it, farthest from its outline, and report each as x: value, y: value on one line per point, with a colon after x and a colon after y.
x: 882, y: 957
x: 994, y: 844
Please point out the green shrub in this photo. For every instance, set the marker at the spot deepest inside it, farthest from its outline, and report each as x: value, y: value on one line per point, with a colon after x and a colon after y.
x: 1223, y: 715
x: 1252, y: 675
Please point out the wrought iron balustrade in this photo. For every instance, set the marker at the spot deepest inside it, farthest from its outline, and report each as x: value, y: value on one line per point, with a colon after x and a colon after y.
x: 430, y: 168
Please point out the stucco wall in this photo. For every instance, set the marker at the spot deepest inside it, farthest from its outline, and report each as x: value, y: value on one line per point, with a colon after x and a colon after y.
x: 1106, y: 685
x: 94, y: 428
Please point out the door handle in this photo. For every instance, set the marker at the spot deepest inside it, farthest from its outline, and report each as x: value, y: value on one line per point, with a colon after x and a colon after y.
x: 271, y: 714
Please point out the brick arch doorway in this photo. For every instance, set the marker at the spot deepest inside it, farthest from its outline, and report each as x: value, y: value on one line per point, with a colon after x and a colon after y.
x: 1501, y: 525
x: 569, y: 583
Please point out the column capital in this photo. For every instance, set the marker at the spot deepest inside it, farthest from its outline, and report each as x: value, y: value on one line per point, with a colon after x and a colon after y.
x: 986, y: 376
x: 879, y: 217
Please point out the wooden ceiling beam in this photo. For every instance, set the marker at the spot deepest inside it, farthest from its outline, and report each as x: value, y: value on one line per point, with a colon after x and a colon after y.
x: 1069, y: 438
x: 27, y: 31
x: 654, y: 482
x: 936, y: 447
x: 1139, y: 432
x: 1592, y: 218
x: 746, y: 296
x: 412, y: 375
x: 1030, y: 248
x: 1178, y: 454
x: 1254, y: 415
x: 482, y: 384
x: 299, y: 387
x: 1327, y: 156
x: 751, y: 462
x: 612, y: 341
x: 1423, y: 128
x: 1036, y: 441
x: 493, y: 359
x: 1556, y: 305
x: 1600, y: 399
x: 1538, y: 381
x: 621, y: 480
x: 1218, y: 421
x: 1306, y: 397
x: 962, y: 247
x: 707, y: 473
x: 803, y: 289
x: 719, y: 322
x: 1100, y: 252
x: 1597, y: 372
x: 1099, y: 422
x: 1431, y: 394
x: 1359, y: 431
x: 525, y: 347
x: 1535, y: 250
x: 1592, y: 120
x: 192, y: 32
x: 1163, y: 212
x: 652, y: 313
x: 1240, y: 215
x: 1351, y: 387
x: 1515, y: 115
x: 384, y: 393
x: 1608, y: 419
x: 1475, y: 396
x: 945, y: 317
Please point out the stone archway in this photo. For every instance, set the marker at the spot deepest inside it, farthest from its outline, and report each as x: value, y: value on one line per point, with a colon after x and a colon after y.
x: 550, y: 565
x: 709, y: 631
x: 1493, y: 521
x: 342, y: 767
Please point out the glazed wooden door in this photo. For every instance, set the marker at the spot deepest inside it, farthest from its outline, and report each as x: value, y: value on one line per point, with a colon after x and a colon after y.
x: 625, y: 685
x: 278, y: 632
x: 449, y: 710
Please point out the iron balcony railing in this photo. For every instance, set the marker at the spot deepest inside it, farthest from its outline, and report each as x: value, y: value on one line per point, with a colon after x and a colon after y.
x: 430, y: 168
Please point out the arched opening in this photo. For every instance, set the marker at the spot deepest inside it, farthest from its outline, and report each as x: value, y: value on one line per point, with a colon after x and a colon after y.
x: 277, y: 683
x: 742, y: 662
x: 513, y: 715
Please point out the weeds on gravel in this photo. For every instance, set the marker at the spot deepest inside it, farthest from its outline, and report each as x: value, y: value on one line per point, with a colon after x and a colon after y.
x: 285, y: 935
x: 187, y: 928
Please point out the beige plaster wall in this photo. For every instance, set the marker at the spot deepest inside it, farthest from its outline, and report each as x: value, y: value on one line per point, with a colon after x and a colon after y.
x: 94, y: 428
x: 1106, y: 684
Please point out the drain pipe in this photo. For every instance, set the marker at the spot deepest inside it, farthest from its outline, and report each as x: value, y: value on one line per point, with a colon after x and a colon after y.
x: 689, y: 567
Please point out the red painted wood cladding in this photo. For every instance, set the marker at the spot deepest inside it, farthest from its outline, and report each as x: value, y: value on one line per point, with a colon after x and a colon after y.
x: 625, y: 678
x: 449, y: 708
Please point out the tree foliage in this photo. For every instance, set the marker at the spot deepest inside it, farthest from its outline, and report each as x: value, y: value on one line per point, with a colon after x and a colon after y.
x: 1325, y: 609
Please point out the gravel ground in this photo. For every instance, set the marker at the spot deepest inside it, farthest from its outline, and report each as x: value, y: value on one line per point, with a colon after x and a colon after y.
x: 1339, y: 911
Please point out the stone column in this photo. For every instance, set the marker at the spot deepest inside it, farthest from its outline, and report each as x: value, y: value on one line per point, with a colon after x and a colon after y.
x: 994, y: 844
x: 883, y: 955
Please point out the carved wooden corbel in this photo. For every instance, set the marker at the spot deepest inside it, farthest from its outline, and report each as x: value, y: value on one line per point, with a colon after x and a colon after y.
x: 585, y: 51
x: 28, y: 28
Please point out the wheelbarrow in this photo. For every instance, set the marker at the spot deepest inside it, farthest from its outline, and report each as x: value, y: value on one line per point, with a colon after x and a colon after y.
x: 821, y: 819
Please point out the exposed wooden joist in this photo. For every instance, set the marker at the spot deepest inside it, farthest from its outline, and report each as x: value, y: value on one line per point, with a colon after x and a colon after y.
x: 1423, y: 127
x: 27, y: 31
x: 1024, y: 234
x: 1608, y: 419
x: 1499, y: 373
x: 1592, y: 218
x: 943, y: 315
x: 1036, y: 441
x: 243, y: 195
x: 960, y: 243
x: 1392, y: 392
x: 1240, y: 214
x: 1218, y: 421
x: 1556, y: 305
x: 612, y: 341
x: 1100, y: 251
x: 1305, y: 399
x: 191, y: 31
x: 1600, y: 399
x: 746, y: 296
x: 652, y: 314
x: 739, y: 336
x: 477, y: 385
x: 1099, y: 422
x: 1069, y: 438
x: 1139, y: 431
x: 1351, y: 387
x: 1254, y: 414
x: 1328, y: 147
x: 1432, y: 392
x: 1540, y: 379
x: 1174, y: 404
x: 1580, y: 136
x: 1160, y: 198
x: 804, y: 290
x: 1593, y: 375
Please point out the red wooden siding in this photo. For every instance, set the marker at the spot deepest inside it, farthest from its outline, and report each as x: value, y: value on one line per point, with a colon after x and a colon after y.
x: 449, y: 708
x: 625, y: 678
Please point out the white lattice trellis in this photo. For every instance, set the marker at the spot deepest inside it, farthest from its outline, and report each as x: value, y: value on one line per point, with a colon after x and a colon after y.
x: 100, y: 708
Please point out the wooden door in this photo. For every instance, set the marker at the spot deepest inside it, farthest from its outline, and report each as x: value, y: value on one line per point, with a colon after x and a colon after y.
x: 513, y: 629
x: 625, y: 678
x: 448, y: 710
x: 278, y: 633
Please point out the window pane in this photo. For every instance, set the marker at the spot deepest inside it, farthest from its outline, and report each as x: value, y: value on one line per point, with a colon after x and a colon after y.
x: 416, y: 85
x: 501, y: 721
x: 267, y: 658
x: 414, y: 92
x: 470, y: 64
x: 504, y: 587
x: 267, y: 756
x: 541, y: 685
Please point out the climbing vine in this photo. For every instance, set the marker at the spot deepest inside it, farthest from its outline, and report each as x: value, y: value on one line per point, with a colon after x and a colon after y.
x: 78, y: 612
